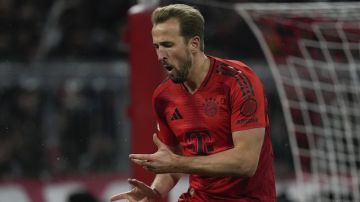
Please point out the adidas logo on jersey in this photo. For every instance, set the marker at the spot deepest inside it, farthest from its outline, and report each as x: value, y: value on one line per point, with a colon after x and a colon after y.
x: 176, y: 115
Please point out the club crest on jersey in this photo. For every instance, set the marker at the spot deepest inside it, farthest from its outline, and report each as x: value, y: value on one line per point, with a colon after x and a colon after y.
x: 210, y: 107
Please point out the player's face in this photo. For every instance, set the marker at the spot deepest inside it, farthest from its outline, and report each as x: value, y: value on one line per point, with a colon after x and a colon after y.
x: 172, y: 50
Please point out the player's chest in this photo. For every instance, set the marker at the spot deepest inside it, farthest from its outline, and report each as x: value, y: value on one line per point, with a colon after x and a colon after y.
x: 198, y: 111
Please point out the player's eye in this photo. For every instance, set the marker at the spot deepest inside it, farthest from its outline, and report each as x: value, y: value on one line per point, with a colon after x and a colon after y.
x: 167, y: 44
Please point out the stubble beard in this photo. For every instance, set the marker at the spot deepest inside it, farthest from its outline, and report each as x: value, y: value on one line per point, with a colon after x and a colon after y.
x: 180, y: 75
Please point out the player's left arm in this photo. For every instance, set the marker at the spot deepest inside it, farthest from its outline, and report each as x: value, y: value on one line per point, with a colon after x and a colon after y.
x: 241, y: 160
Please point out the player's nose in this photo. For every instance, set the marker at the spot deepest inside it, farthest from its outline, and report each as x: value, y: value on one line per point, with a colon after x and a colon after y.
x: 161, y: 54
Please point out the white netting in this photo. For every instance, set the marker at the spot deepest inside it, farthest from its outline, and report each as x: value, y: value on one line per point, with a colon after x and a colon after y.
x: 314, y: 53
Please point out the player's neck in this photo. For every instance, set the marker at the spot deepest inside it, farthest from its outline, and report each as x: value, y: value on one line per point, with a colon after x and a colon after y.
x: 197, y: 73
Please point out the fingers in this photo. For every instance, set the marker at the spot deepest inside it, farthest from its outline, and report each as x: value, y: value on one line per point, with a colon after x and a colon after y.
x: 157, y: 141
x: 119, y: 196
x: 137, y: 183
x: 139, y: 192
x: 145, y: 189
x: 140, y: 157
x: 138, y: 161
x: 132, y: 195
x: 144, y: 163
x: 143, y: 160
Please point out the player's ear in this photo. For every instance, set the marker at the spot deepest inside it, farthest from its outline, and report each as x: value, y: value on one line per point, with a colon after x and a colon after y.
x: 195, y: 43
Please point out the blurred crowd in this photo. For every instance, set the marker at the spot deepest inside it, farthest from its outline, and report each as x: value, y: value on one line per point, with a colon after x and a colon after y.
x: 66, y: 130
x: 76, y: 29
x: 85, y: 30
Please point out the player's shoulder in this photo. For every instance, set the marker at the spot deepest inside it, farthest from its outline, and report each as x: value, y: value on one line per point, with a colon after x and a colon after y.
x: 233, y: 68
x: 162, y: 87
x: 232, y: 64
x: 237, y: 74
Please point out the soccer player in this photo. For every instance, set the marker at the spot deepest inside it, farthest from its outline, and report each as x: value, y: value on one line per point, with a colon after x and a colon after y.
x: 212, y: 120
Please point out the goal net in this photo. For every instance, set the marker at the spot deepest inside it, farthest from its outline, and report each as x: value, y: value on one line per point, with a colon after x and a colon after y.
x: 313, y: 50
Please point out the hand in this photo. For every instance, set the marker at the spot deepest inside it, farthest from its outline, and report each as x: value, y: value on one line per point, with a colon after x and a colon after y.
x: 163, y: 161
x: 140, y: 193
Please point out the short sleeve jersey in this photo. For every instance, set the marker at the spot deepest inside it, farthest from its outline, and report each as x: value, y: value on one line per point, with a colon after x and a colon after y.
x: 231, y: 98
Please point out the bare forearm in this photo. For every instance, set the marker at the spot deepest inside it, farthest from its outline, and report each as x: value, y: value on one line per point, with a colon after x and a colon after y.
x: 242, y: 160
x: 227, y: 163
x: 163, y: 183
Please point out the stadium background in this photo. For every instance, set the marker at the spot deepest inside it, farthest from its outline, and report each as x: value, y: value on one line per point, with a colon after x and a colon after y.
x: 67, y: 108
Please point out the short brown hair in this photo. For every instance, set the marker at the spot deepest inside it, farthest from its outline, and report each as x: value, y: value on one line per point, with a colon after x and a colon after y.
x: 190, y: 19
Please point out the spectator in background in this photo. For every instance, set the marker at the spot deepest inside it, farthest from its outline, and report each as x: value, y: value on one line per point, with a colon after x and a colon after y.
x: 22, y: 132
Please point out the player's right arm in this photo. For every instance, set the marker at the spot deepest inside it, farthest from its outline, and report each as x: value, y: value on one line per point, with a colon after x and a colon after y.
x: 163, y: 183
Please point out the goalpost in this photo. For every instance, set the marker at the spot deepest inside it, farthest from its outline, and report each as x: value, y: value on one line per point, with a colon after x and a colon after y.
x: 313, y: 50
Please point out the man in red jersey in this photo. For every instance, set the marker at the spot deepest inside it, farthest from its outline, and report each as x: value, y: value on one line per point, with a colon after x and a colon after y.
x: 212, y: 118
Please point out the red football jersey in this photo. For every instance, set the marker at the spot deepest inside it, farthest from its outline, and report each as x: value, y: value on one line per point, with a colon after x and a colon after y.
x: 231, y: 98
